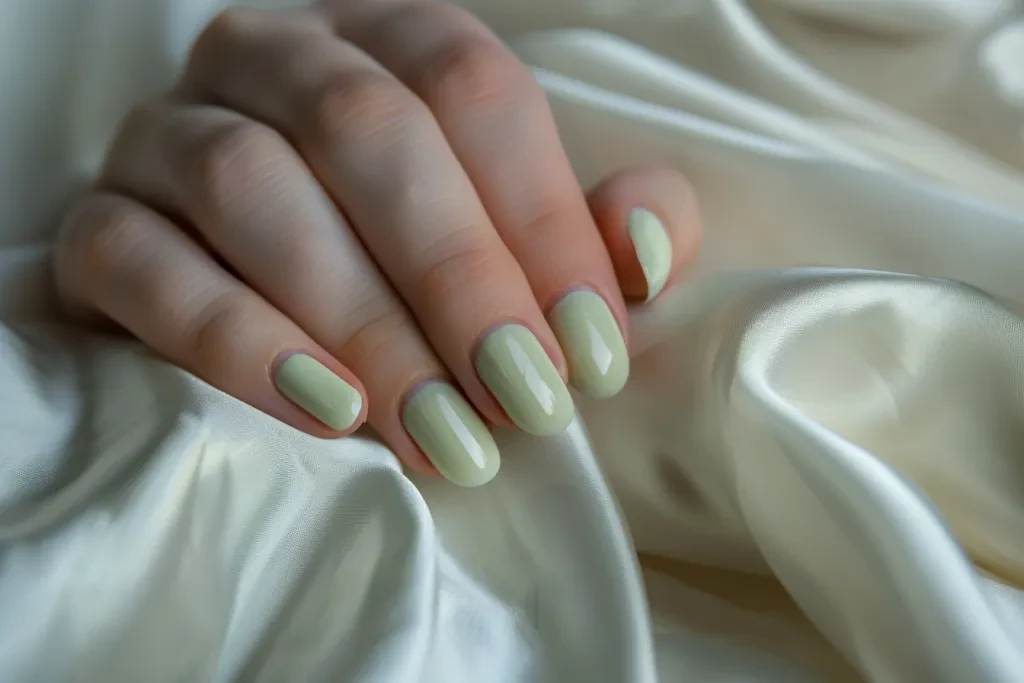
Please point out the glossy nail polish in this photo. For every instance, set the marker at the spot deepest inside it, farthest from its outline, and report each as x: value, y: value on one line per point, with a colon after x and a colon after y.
x: 520, y: 375
x: 321, y: 393
x: 653, y: 249
x: 592, y: 343
x: 451, y: 434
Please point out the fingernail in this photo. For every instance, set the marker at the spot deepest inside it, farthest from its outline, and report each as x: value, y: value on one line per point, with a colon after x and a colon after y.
x: 318, y: 391
x: 653, y: 248
x: 517, y: 370
x: 592, y: 343
x: 449, y: 432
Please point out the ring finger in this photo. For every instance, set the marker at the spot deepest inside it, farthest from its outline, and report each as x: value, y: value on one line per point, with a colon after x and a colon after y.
x: 379, y: 151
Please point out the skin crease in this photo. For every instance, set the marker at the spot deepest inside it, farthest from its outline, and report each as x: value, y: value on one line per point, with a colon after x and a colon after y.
x: 377, y: 188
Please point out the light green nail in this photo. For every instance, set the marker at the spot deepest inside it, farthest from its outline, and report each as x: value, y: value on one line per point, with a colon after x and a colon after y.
x: 653, y: 249
x: 451, y: 434
x: 592, y: 343
x: 517, y: 370
x: 319, y: 392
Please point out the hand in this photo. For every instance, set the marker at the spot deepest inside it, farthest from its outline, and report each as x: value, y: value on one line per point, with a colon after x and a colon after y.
x: 361, y: 211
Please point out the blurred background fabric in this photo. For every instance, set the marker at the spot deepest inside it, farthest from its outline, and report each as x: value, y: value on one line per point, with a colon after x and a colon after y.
x: 815, y: 475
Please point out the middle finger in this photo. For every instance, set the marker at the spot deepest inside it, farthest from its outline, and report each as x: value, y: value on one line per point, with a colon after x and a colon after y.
x: 380, y: 153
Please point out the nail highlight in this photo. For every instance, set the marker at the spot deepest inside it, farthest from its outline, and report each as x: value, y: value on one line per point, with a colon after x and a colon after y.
x: 592, y: 343
x: 451, y: 434
x: 653, y: 249
x: 321, y: 393
x: 520, y: 375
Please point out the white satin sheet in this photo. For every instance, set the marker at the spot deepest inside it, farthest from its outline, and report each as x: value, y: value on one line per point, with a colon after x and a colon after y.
x: 815, y: 475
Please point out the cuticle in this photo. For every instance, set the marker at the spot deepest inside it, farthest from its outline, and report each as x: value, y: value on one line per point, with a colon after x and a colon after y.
x: 279, y: 359
x: 561, y: 368
x: 416, y: 388
x: 591, y: 288
x: 586, y: 287
x: 490, y: 330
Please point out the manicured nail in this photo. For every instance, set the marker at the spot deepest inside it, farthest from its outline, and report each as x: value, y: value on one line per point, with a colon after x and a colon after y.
x: 653, y: 248
x: 592, y: 343
x: 517, y: 370
x: 318, y: 391
x: 449, y: 432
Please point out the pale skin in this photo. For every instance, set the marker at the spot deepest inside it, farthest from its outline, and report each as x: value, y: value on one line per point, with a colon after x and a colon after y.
x: 376, y: 187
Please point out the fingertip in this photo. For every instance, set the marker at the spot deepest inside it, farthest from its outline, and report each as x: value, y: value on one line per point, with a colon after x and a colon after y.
x: 518, y: 371
x: 650, y: 223
x: 448, y: 436
x: 652, y: 248
x: 332, y: 396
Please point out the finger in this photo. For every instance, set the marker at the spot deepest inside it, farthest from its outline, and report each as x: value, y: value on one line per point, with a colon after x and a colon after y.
x: 499, y: 126
x: 380, y: 153
x: 132, y: 265
x: 649, y: 220
x: 253, y: 201
x: 651, y: 225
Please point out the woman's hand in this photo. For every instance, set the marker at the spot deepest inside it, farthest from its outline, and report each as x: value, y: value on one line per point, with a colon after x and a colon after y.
x: 361, y: 211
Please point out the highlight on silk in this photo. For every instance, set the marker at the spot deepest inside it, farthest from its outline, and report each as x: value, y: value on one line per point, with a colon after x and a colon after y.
x: 512, y: 341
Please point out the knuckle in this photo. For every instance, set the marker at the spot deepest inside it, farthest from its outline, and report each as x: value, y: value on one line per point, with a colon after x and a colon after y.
x: 547, y: 216
x: 473, y: 72
x: 99, y: 239
x: 213, y: 331
x: 223, y: 29
x: 374, y: 336
x: 132, y: 129
x: 472, y: 266
x: 234, y: 159
x: 359, y: 107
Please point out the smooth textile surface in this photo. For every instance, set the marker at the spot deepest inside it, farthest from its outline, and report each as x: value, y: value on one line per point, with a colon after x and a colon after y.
x: 814, y: 475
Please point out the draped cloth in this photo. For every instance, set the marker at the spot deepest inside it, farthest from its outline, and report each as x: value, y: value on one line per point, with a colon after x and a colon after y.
x: 815, y: 474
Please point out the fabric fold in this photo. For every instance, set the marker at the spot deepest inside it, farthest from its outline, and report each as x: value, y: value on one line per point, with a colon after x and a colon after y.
x: 814, y: 474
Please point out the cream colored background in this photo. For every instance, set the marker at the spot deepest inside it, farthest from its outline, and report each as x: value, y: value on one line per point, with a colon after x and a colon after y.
x: 820, y: 470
